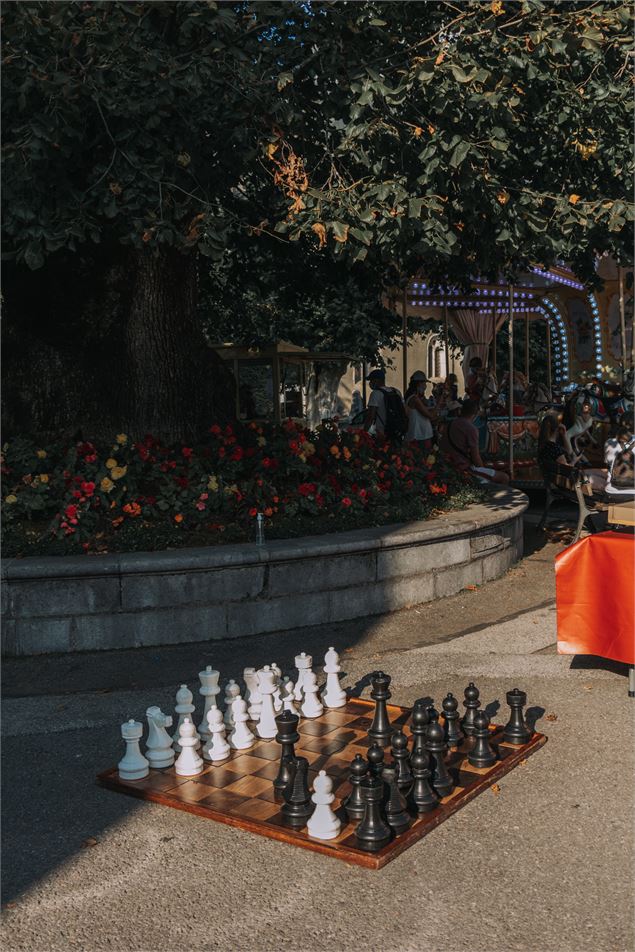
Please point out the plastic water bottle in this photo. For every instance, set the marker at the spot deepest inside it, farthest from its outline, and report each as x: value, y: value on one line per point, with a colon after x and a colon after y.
x: 260, y: 529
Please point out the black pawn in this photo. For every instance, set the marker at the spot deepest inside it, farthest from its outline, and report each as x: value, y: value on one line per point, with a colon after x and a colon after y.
x: 453, y: 734
x: 396, y: 807
x: 481, y: 754
x: 287, y: 736
x: 422, y: 796
x: 401, y: 755
x: 375, y: 760
x: 297, y: 806
x: 433, y: 714
x: 516, y: 731
x: 419, y: 726
x: 471, y: 705
x: 380, y: 729
x: 354, y: 802
x: 436, y: 747
x: 373, y: 832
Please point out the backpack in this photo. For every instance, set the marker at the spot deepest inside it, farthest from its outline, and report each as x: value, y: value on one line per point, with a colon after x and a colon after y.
x: 396, y: 424
x: 622, y: 470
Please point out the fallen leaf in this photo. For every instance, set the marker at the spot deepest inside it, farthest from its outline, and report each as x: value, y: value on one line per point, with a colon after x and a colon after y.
x: 587, y: 687
x: 471, y: 588
x: 89, y: 841
x: 495, y: 789
x: 551, y: 717
x: 9, y: 905
x: 522, y: 762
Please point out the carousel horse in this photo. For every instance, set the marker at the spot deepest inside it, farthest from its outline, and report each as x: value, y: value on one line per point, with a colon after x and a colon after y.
x: 536, y: 397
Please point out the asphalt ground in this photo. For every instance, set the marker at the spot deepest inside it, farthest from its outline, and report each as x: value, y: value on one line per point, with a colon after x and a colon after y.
x: 544, y: 863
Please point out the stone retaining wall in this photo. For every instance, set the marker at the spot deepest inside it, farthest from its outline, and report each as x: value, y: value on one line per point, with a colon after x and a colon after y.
x: 87, y: 603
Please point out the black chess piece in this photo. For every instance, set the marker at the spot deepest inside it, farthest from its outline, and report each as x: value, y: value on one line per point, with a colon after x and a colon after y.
x: 401, y: 755
x: 287, y: 736
x: 373, y: 832
x: 380, y: 729
x: 297, y: 806
x: 436, y: 747
x: 471, y: 705
x: 395, y: 805
x: 354, y: 802
x: 433, y: 714
x: 516, y: 730
x: 422, y: 796
x: 419, y: 725
x: 453, y: 733
x: 375, y: 757
x: 481, y: 754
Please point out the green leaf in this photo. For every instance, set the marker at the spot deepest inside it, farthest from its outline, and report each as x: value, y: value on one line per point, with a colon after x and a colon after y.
x: 414, y: 207
x: 459, y: 154
x: 33, y: 256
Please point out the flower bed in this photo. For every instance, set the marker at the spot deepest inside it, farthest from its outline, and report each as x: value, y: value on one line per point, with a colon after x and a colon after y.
x: 63, y: 499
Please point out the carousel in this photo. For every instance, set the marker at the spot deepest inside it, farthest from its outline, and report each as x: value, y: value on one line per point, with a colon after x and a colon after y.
x: 587, y: 337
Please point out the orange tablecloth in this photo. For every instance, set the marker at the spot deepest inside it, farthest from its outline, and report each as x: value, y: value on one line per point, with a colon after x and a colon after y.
x: 595, y: 597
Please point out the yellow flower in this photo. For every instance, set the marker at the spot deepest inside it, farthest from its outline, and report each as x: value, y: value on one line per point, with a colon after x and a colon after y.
x: 308, y: 448
x: 356, y: 438
x: 431, y: 459
x: 41, y: 454
x: 502, y: 196
x: 262, y: 441
x: 111, y: 463
x: 43, y: 477
x: 212, y: 483
x: 106, y: 485
x: 118, y: 471
x: 574, y: 199
x: 121, y: 438
x: 10, y: 498
x: 497, y: 8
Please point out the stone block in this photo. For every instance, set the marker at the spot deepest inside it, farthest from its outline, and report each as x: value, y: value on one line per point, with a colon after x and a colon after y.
x: 419, y: 559
x: 191, y: 588
x: 277, y: 614
x: 497, y: 563
x: 387, y: 595
x: 63, y: 596
x: 485, y: 541
x: 451, y: 580
x: 4, y: 598
x: 317, y: 575
x: 33, y: 636
x: 136, y: 630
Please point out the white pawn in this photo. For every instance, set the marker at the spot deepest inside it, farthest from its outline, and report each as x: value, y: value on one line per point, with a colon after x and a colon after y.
x: 277, y: 697
x: 209, y: 689
x: 254, y: 698
x: 184, y: 708
x: 311, y: 706
x: 189, y: 764
x: 159, y: 747
x: 217, y: 749
x: 241, y: 737
x: 288, y: 701
x: 303, y: 663
x: 232, y: 691
x: 323, y: 823
x: 133, y: 765
x: 333, y: 695
x: 267, y: 726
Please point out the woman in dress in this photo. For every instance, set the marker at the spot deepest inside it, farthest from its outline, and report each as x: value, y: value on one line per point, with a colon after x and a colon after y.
x: 420, y: 414
x: 553, y: 445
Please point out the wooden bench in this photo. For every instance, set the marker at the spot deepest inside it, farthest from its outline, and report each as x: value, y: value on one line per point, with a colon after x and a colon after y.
x: 568, y: 482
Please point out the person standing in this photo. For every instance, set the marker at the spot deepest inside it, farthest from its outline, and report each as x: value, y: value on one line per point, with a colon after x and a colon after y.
x: 460, y: 443
x: 420, y: 415
x: 385, y: 414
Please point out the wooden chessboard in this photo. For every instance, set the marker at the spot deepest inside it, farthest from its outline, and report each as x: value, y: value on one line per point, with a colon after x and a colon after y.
x: 240, y: 792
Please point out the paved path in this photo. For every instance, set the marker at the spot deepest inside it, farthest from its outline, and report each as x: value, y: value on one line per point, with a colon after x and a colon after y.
x: 545, y: 864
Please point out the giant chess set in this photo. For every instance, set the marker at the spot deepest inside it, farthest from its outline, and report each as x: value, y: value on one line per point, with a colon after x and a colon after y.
x: 308, y: 766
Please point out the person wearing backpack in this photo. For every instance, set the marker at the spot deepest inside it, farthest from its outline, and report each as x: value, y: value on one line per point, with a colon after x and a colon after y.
x: 385, y: 413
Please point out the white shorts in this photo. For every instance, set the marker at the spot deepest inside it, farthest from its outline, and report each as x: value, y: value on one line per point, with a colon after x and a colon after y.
x: 483, y: 471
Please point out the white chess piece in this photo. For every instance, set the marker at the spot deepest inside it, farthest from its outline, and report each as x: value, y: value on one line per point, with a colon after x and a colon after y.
x: 267, y: 726
x: 277, y: 697
x: 159, y: 749
x: 189, y: 763
x: 232, y: 691
x: 311, y: 706
x: 241, y: 737
x: 288, y: 701
x: 217, y: 749
x: 323, y: 823
x: 184, y: 708
x: 209, y: 689
x: 254, y: 698
x: 333, y: 695
x: 133, y: 765
x: 303, y: 663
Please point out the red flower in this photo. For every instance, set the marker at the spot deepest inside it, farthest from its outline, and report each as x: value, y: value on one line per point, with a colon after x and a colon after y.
x: 237, y: 454
x: 88, y: 488
x: 221, y: 451
x: 144, y: 452
x: 91, y: 458
x: 215, y: 429
x: 77, y: 494
x: 319, y: 499
x: 347, y: 502
x: 253, y: 512
x: 307, y: 489
x: 187, y: 452
x: 182, y: 481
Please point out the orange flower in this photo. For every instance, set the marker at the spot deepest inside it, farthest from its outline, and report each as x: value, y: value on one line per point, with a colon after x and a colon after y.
x: 347, y: 453
x: 268, y: 511
x: 574, y: 199
x: 335, y: 451
x: 178, y: 517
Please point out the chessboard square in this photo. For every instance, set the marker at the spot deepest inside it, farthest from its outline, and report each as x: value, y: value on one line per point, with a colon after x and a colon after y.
x: 269, y: 771
x: 317, y: 728
x: 158, y: 780
x: 223, y: 802
x: 267, y: 750
x: 247, y: 764
x: 324, y: 746
x: 466, y: 767
x: 400, y: 719
x: 218, y: 777
x: 259, y: 809
x: 338, y: 718
x: 271, y: 795
x: 311, y: 755
x: 191, y: 792
x: 249, y: 786
x: 455, y: 793
x: 361, y: 723
x: 356, y: 706
x: 505, y: 751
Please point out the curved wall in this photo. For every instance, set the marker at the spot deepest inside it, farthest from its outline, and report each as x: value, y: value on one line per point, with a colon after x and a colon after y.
x: 89, y: 603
